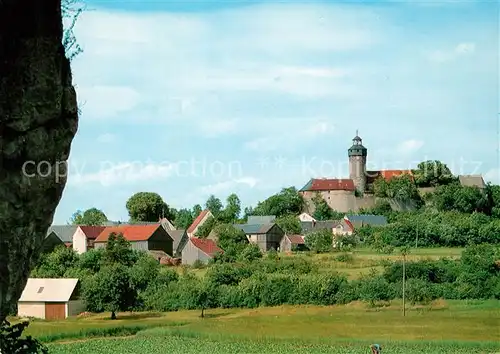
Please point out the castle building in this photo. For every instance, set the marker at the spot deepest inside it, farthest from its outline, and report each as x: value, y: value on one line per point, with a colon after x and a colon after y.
x: 348, y: 194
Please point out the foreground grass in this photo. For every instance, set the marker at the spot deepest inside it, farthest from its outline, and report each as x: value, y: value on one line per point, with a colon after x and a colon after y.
x: 187, y: 345
x: 443, y: 327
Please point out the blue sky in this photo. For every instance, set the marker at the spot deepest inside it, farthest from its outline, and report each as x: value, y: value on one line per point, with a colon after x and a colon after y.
x: 189, y: 99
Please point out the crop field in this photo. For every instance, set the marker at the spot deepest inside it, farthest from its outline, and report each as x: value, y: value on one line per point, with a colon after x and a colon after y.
x: 442, y: 327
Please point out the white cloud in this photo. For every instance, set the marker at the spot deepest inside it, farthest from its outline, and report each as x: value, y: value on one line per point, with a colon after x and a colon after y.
x: 228, y: 186
x: 106, y: 138
x: 461, y: 49
x: 410, y: 146
x: 297, y: 133
x: 111, y: 174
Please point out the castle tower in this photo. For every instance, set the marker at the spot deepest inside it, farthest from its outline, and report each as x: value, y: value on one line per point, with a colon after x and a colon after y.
x: 357, y: 163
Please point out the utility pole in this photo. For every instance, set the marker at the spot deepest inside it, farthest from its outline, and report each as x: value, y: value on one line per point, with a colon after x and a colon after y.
x: 404, y: 281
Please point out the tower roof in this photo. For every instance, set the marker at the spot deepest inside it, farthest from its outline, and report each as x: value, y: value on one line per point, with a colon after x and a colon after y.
x: 357, y: 148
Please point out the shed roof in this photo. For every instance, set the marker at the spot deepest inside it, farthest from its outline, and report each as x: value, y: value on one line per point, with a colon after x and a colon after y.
x: 309, y: 226
x: 131, y: 233
x: 368, y: 219
x: 64, y: 232
x: 254, y: 228
x: 48, y: 290
x: 209, y: 247
x: 296, y: 239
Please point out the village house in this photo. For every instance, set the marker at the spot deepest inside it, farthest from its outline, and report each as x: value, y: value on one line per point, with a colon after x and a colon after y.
x: 85, y: 236
x: 58, y: 235
x: 261, y: 231
x: 141, y: 237
x: 291, y: 243
x: 197, y: 249
x: 472, y: 181
x: 305, y: 217
x: 198, y: 222
x: 180, y: 238
x: 50, y: 299
x: 350, y: 223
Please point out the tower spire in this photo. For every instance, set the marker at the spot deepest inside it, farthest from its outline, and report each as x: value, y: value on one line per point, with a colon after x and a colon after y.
x: 357, y: 132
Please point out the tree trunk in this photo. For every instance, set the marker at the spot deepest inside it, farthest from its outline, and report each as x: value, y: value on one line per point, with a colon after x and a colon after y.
x: 38, y: 120
x: 202, y: 312
x: 113, y: 315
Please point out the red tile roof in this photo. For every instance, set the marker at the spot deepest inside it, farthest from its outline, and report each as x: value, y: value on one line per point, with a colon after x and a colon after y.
x: 130, y: 232
x: 207, y: 246
x: 296, y: 239
x: 92, y: 231
x: 197, y: 221
x: 328, y: 184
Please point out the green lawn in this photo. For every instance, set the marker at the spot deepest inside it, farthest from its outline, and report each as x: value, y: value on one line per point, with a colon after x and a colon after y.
x: 443, y: 327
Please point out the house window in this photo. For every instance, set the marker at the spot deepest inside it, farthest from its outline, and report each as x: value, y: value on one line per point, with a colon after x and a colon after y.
x: 40, y: 290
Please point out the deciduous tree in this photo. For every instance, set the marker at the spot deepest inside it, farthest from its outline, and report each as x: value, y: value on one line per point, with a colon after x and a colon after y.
x: 91, y: 217
x: 147, y: 206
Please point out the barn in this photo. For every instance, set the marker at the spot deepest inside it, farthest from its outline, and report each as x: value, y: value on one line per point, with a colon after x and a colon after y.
x: 50, y: 299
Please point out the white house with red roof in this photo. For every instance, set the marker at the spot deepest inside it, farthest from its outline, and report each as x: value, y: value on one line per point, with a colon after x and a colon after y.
x: 200, y: 220
x: 84, y: 237
x: 198, y: 249
x: 348, y: 194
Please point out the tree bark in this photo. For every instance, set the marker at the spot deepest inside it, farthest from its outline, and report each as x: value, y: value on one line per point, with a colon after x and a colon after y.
x: 38, y: 120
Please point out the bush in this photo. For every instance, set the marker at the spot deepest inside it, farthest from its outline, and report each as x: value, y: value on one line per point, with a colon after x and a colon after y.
x: 319, y: 241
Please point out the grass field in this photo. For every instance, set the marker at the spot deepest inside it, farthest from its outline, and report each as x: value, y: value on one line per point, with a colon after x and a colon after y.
x: 446, y: 327
x: 364, y: 260
x: 443, y: 327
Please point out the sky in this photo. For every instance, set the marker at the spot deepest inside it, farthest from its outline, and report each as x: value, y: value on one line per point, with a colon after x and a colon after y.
x: 188, y: 99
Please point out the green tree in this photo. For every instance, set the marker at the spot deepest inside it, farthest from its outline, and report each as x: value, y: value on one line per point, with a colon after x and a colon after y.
x: 110, y: 290
x: 56, y: 263
x: 197, y: 209
x: 12, y: 340
x: 183, y: 219
x: 90, y: 217
x: 432, y: 173
x: 147, y: 206
x: 287, y: 201
x: 319, y: 241
x: 250, y: 253
x: 118, y: 251
x: 455, y: 197
x: 403, y: 189
x: 144, y: 272
x: 214, y: 205
x: 230, y: 237
x: 322, y: 210
x: 207, y: 227
x: 232, y: 210
x: 290, y: 224
x: 380, y: 187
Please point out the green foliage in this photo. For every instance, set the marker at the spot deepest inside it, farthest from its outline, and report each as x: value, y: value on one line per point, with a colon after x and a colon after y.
x: 183, y: 219
x: 110, y: 290
x: 432, y: 174
x: 56, y: 263
x: 230, y: 237
x: 13, y: 342
x: 287, y: 201
x: 204, y: 229
x: 215, y: 206
x: 118, y: 251
x: 250, y: 253
x: 290, y: 224
x: 232, y: 211
x: 319, y: 241
x: 147, y: 206
x: 322, y: 210
x: 455, y: 197
x: 90, y: 217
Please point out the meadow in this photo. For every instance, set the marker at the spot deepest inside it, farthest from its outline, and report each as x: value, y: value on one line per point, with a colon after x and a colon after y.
x: 441, y: 327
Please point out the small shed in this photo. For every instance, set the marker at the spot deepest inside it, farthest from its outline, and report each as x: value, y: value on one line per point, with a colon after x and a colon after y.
x: 50, y: 299
x: 292, y: 243
x: 198, y: 249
